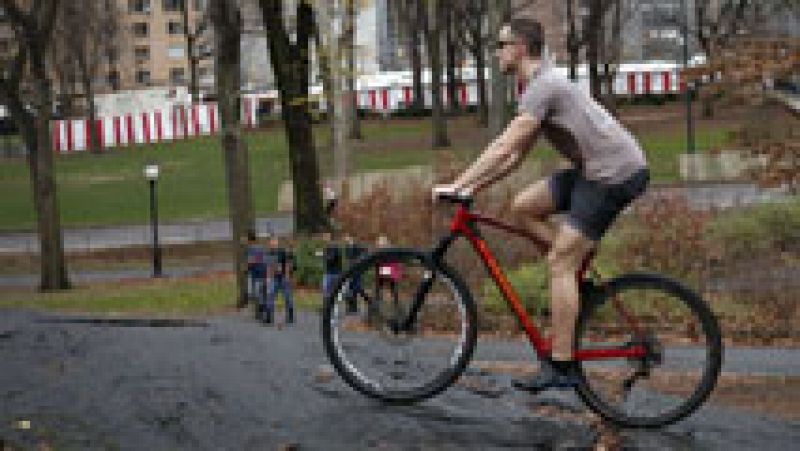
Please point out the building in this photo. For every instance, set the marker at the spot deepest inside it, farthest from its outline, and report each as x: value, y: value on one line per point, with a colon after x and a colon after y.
x: 153, y: 49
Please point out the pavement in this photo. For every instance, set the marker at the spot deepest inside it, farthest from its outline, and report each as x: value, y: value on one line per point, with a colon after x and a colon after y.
x: 231, y: 383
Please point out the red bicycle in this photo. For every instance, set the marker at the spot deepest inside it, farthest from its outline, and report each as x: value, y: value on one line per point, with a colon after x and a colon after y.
x: 648, y: 347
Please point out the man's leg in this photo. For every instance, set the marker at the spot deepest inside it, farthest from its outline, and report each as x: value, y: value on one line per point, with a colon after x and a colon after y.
x: 565, y: 257
x: 270, y: 307
x: 287, y: 299
x: 532, y: 208
x: 569, y: 250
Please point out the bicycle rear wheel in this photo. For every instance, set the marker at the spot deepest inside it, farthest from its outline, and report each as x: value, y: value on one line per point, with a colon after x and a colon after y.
x: 683, y: 347
x: 406, y: 337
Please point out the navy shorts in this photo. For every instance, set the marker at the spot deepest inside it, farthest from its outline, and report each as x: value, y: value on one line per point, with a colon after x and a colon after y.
x: 592, y: 206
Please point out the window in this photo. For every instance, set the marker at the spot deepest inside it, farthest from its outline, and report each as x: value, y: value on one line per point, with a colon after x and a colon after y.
x: 176, y: 51
x: 140, y: 29
x: 173, y: 5
x: 205, y: 50
x: 203, y: 72
x: 174, y: 27
x: 200, y: 5
x: 112, y: 55
x: 143, y: 77
x: 139, y: 6
x: 176, y: 75
x: 141, y: 53
x: 113, y: 80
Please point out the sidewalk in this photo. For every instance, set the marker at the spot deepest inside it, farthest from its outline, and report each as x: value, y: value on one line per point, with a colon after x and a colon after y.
x: 94, y: 238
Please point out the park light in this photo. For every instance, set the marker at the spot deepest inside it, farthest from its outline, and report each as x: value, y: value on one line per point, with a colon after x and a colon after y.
x: 151, y: 171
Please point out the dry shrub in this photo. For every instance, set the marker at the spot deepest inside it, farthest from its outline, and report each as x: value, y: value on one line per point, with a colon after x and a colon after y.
x: 666, y: 235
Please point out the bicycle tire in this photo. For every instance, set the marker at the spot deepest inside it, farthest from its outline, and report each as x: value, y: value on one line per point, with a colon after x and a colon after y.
x: 710, y: 330
x: 351, y: 375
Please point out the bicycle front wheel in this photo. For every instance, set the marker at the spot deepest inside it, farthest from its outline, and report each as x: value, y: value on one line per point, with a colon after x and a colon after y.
x: 398, y: 326
x: 682, y: 343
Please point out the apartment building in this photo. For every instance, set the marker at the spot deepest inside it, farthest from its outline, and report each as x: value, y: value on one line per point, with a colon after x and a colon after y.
x: 152, y: 50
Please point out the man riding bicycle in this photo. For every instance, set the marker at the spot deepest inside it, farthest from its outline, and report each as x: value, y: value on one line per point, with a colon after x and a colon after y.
x: 609, y: 171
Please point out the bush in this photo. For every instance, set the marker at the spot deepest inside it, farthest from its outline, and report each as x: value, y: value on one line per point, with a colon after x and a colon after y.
x: 530, y: 282
x: 309, y: 266
x: 767, y: 228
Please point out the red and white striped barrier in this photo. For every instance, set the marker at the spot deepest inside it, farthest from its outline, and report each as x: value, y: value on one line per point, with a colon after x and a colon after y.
x: 72, y: 135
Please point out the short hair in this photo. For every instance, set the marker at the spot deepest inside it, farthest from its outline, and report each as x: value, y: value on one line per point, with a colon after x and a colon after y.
x: 251, y: 235
x: 530, y: 31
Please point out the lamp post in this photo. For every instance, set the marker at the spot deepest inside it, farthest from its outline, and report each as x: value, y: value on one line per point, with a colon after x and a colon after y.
x: 151, y: 174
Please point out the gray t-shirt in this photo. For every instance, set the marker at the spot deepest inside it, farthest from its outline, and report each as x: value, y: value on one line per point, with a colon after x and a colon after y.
x: 580, y: 129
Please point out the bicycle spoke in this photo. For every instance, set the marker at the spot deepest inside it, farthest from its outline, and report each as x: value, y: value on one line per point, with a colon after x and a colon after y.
x: 681, y: 358
x: 407, y: 335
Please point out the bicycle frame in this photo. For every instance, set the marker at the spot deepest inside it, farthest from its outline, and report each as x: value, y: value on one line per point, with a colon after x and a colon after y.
x: 464, y: 224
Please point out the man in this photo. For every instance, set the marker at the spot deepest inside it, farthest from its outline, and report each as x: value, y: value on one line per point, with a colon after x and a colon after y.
x: 609, y: 171
x: 281, y: 265
x: 256, y: 272
x: 352, y: 252
x: 331, y: 263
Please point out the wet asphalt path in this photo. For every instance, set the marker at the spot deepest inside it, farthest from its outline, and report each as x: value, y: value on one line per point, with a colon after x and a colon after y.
x: 230, y: 383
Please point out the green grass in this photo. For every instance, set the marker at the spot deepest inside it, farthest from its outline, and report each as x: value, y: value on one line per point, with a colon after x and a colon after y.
x: 110, y: 190
x: 162, y: 297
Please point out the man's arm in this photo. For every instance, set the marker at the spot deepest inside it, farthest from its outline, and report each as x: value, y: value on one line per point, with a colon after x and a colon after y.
x: 502, y: 156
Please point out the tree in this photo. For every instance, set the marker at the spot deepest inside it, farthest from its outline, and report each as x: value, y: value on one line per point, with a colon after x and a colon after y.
x: 226, y: 18
x: 472, y: 14
x: 452, y: 44
x: 290, y: 64
x: 349, y: 44
x: 87, y: 34
x: 499, y: 10
x: 433, y: 40
x: 411, y: 14
x: 25, y: 88
x: 193, y: 33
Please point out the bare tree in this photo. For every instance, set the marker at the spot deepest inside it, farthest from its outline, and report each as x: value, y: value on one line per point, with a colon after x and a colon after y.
x: 411, y: 14
x: 453, y: 47
x: 290, y: 63
x: 88, y: 33
x: 25, y: 88
x: 193, y: 32
x: 433, y: 38
x: 349, y: 44
x: 499, y: 10
x: 226, y: 18
x: 472, y: 14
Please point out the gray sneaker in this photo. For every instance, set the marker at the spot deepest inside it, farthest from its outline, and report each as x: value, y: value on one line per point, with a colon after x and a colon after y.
x: 548, y: 377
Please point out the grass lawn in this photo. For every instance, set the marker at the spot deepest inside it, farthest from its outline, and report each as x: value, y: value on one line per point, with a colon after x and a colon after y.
x: 109, y: 189
x: 191, y: 296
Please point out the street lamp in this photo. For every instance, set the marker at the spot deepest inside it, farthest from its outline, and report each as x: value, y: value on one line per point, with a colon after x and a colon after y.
x: 151, y: 174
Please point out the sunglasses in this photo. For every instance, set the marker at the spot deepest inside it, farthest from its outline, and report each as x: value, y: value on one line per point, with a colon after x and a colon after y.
x: 501, y: 44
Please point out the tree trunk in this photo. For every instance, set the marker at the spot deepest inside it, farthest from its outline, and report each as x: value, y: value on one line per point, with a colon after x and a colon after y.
x: 324, y: 52
x: 593, y: 49
x: 418, y: 104
x: 433, y: 37
x: 88, y: 89
x: 194, y: 61
x: 53, y: 264
x: 452, y: 82
x: 225, y: 15
x: 290, y: 63
x: 350, y: 49
x: 498, y: 114
x: 573, y: 42
x: 483, y: 101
